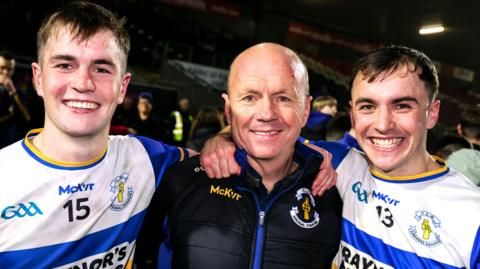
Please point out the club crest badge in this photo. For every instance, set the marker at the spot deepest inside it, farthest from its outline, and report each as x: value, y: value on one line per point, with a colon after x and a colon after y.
x: 303, y: 212
x: 426, y: 229
x: 121, y: 193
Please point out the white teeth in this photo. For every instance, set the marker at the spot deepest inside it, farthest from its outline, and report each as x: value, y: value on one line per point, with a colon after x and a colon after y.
x: 265, y: 132
x: 81, y: 105
x: 386, y: 143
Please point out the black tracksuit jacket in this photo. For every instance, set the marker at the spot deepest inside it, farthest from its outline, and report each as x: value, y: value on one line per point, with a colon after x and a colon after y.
x: 234, y: 223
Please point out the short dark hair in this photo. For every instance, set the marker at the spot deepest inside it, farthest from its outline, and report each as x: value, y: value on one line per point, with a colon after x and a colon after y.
x: 388, y: 59
x: 7, y: 55
x: 470, y: 122
x: 146, y: 95
x: 83, y: 19
x: 337, y: 126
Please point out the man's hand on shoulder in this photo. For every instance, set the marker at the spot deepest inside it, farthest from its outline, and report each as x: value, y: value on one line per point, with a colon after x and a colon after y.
x: 327, y: 177
x: 217, y: 156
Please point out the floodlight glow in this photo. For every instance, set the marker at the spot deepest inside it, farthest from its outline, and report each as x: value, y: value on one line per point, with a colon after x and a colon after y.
x: 431, y: 29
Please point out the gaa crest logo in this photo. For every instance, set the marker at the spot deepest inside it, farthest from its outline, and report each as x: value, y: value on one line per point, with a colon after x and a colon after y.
x: 425, y: 230
x: 122, y: 194
x: 303, y: 213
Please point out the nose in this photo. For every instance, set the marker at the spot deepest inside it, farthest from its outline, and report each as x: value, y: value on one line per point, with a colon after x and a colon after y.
x: 3, y: 71
x: 385, y: 120
x: 82, y: 81
x: 266, y: 110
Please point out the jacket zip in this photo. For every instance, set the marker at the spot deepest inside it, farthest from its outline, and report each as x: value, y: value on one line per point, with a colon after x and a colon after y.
x: 259, y: 235
x: 257, y: 257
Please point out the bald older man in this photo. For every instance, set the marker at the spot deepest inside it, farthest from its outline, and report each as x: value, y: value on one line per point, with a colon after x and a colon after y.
x: 266, y: 217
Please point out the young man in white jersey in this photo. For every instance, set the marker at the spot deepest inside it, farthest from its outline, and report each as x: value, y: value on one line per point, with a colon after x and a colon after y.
x: 74, y: 197
x: 403, y: 208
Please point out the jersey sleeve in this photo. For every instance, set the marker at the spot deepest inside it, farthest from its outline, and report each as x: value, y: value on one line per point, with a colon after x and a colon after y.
x: 475, y: 259
x: 162, y: 155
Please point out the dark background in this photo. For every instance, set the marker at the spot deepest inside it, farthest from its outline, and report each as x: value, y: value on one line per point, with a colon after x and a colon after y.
x: 329, y: 34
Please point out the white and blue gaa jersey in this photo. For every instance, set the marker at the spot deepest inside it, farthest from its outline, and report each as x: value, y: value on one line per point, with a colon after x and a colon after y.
x: 77, y: 215
x: 429, y: 220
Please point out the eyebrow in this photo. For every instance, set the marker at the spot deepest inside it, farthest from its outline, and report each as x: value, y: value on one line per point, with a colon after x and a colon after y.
x: 364, y: 100
x: 397, y: 100
x: 66, y: 57
x: 104, y: 62
x: 405, y: 99
x: 248, y: 91
x: 62, y: 57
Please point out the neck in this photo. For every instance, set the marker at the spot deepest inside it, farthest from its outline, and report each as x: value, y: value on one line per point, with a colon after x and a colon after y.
x: 423, y: 164
x: 273, y: 171
x: 64, y: 148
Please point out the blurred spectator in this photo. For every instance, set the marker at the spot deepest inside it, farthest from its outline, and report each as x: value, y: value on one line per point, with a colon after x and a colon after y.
x: 10, y: 102
x: 337, y: 126
x: 146, y: 123
x: 466, y: 161
x: 180, y: 123
x: 207, y: 123
x: 339, y: 129
x: 469, y: 126
x: 323, y: 109
x: 460, y: 155
x: 125, y: 112
x: 124, y: 117
x: 449, y: 143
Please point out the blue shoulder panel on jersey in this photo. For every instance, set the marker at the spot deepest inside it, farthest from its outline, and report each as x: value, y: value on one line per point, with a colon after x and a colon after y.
x: 305, y: 151
x: 337, y: 150
x: 161, y: 155
x: 384, y: 253
x: 475, y: 259
x: 69, y: 252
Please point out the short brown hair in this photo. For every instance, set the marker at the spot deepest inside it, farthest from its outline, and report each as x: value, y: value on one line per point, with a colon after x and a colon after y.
x: 386, y: 60
x: 83, y: 19
x: 322, y: 101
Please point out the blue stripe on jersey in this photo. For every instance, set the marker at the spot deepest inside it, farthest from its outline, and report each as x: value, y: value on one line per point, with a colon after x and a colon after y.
x: 65, y: 253
x: 165, y: 252
x: 161, y: 155
x: 384, y: 253
x: 420, y: 179
x: 46, y: 163
x: 475, y: 259
x: 338, y: 151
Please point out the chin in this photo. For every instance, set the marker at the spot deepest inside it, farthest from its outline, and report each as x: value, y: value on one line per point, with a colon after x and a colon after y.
x: 261, y: 155
x: 384, y: 167
x: 83, y: 132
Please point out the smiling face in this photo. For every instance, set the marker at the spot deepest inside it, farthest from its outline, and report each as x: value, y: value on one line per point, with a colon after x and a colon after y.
x: 266, y: 105
x: 144, y: 106
x: 7, y: 67
x: 81, y: 82
x: 391, y: 116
